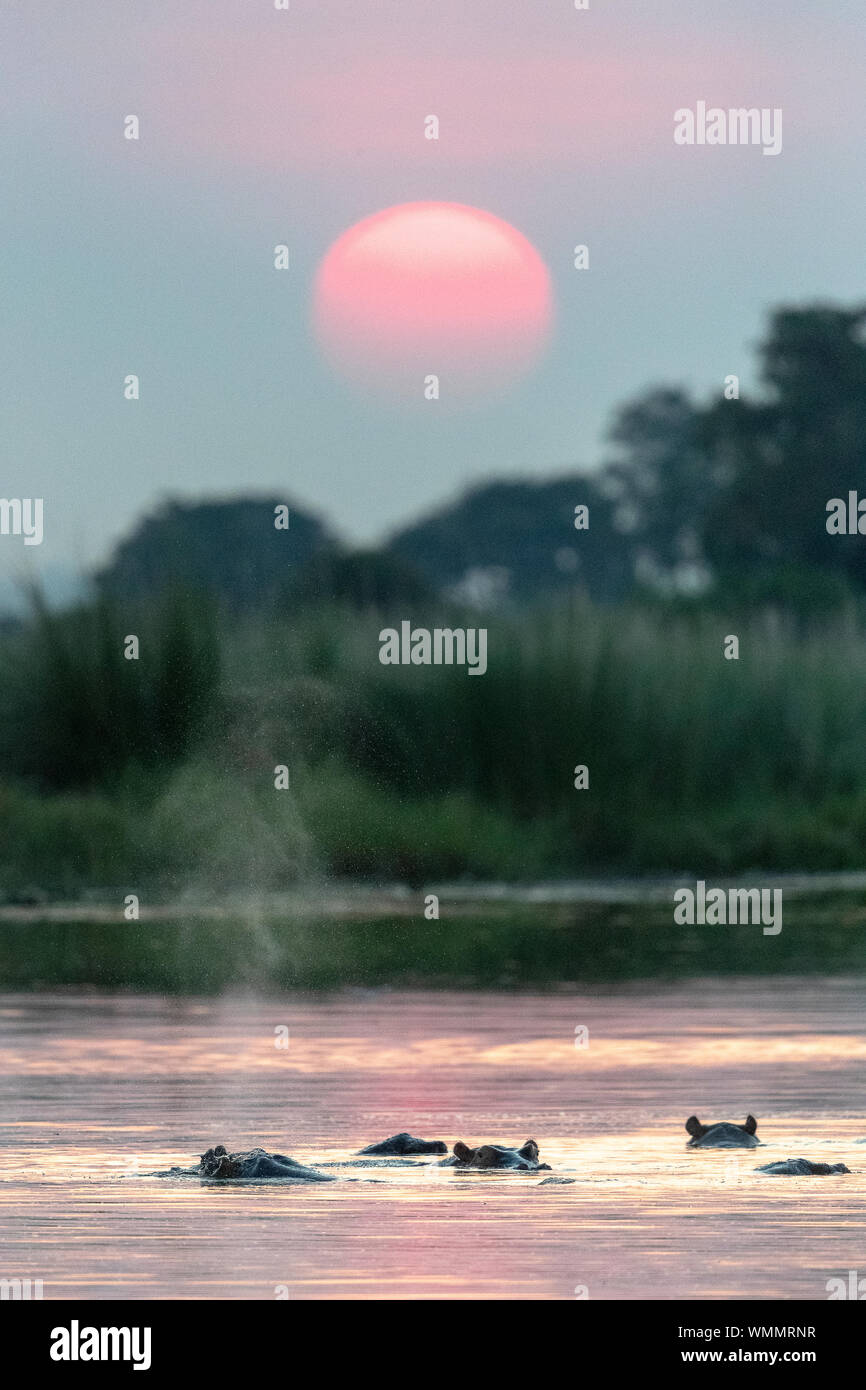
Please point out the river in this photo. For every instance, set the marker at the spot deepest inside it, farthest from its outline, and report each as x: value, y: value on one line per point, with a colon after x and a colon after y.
x: 99, y: 1090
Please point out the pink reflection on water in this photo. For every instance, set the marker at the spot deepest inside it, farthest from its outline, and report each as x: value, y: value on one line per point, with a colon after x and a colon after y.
x: 98, y: 1092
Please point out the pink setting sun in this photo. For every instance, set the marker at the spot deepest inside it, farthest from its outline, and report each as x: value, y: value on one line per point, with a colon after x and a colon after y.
x: 432, y: 288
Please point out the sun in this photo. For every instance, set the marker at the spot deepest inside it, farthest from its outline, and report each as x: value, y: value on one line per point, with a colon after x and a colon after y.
x: 426, y: 289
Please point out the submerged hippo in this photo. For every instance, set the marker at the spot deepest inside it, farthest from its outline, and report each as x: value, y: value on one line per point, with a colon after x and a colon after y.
x: 406, y: 1144
x: 255, y: 1164
x: 722, y: 1136
x: 800, y: 1168
x: 497, y: 1156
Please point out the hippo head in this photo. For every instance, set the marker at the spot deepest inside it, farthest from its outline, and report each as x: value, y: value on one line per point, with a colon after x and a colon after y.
x: 722, y: 1136
x: 498, y: 1156
x: 219, y: 1163
x: 801, y: 1168
x: 404, y: 1143
x: 256, y: 1164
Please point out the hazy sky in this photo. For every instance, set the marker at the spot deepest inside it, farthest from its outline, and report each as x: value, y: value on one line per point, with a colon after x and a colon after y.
x: 261, y: 127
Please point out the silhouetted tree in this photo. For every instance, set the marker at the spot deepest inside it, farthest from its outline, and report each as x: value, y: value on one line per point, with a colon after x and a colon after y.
x: 230, y: 549
x: 362, y: 579
x: 662, y: 481
x: 518, y: 540
x: 784, y: 458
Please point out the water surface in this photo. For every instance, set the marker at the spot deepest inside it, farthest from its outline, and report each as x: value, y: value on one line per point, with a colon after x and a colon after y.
x: 97, y: 1091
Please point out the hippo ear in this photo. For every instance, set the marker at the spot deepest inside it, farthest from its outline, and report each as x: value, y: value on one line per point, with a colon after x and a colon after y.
x: 751, y: 1124
x: 462, y: 1151
x: 694, y: 1127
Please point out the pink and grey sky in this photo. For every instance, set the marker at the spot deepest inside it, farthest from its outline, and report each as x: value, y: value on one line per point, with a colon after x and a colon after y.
x: 261, y: 127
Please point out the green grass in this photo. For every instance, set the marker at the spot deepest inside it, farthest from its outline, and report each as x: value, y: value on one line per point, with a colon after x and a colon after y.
x: 156, y: 776
x: 82, y: 710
